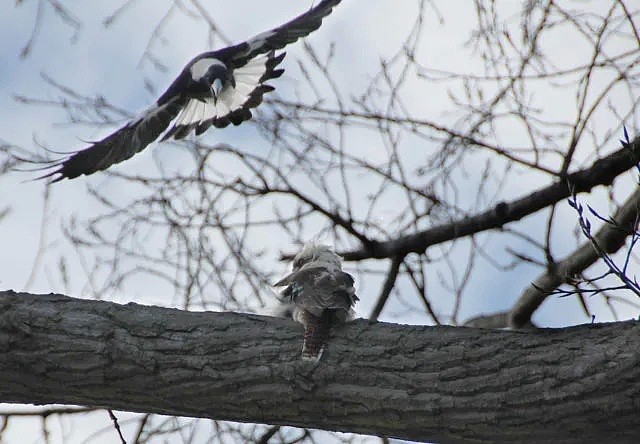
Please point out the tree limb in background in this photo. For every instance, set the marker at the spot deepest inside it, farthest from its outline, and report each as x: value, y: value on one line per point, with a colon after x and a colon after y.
x: 489, y: 320
x: 389, y: 283
x: 443, y: 384
x: 602, y: 172
x: 610, y: 238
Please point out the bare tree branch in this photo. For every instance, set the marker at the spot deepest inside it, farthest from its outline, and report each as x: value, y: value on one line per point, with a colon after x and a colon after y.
x: 610, y: 238
x: 442, y: 384
x: 602, y: 172
x: 389, y: 283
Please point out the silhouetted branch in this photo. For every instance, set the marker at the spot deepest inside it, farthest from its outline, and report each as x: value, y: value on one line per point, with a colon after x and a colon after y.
x: 610, y: 238
x: 602, y: 172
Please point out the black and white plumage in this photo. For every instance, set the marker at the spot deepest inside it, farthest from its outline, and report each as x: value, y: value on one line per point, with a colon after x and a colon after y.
x: 321, y: 293
x: 215, y: 88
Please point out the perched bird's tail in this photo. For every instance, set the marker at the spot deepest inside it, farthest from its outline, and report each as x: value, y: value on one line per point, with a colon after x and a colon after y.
x: 316, y: 334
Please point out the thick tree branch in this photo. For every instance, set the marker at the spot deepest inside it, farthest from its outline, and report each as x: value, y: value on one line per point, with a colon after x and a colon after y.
x: 610, y: 238
x: 602, y: 172
x: 443, y: 384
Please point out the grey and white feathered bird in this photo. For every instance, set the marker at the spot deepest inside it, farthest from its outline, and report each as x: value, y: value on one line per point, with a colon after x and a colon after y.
x: 321, y: 293
x: 216, y: 88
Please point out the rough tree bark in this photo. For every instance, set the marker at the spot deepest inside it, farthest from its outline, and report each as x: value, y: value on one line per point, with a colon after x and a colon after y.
x: 443, y: 384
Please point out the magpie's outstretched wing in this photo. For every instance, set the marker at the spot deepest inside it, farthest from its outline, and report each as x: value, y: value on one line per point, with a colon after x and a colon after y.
x: 216, y: 88
x: 118, y: 146
x: 281, y: 36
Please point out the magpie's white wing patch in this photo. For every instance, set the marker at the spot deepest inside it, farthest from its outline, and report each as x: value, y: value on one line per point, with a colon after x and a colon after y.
x: 281, y: 36
x: 234, y: 103
x: 260, y: 40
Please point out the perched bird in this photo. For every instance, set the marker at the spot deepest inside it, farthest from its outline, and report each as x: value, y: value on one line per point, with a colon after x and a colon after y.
x: 216, y: 88
x: 321, y: 293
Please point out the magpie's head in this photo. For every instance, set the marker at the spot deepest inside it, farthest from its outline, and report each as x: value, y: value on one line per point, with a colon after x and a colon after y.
x: 211, y: 76
x: 217, y: 79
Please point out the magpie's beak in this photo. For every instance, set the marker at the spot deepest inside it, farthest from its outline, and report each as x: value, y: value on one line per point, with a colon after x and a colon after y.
x: 216, y: 89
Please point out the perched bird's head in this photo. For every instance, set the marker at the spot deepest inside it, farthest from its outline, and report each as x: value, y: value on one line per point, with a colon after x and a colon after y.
x: 318, y: 255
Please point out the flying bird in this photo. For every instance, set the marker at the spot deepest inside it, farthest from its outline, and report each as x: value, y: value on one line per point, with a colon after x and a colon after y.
x: 215, y: 88
x: 322, y: 295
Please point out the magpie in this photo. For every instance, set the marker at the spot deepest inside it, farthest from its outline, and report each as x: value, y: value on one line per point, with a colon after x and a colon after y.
x: 215, y: 88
